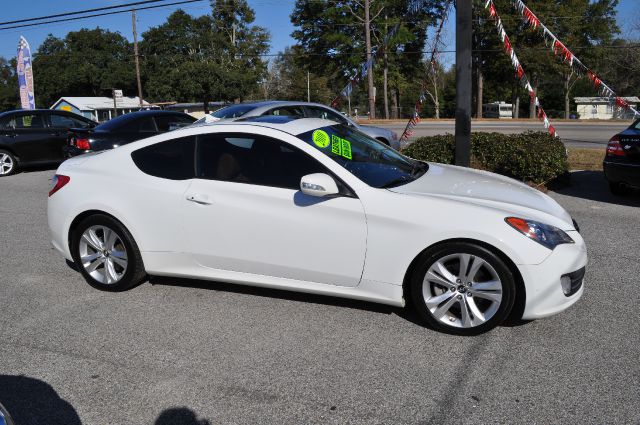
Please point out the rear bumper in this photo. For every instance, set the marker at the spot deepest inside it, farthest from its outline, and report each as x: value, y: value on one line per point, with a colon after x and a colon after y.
x: 544, y: 294
x: 618, y: 172
x: 71, y: 151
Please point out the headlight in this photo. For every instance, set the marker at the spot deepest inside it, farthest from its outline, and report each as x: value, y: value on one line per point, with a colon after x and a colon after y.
x: 545, y: 234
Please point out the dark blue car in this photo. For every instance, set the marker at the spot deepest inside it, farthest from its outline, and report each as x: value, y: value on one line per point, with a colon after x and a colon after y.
x: 622, y: 162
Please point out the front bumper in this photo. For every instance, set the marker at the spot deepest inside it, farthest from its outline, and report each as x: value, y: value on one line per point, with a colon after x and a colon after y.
x: 544, y: 294
x: 620, y: 172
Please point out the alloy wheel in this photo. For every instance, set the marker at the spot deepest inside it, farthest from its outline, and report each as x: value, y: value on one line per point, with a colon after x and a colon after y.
x: 462, y: 290
x: 103, y: 254
x: 6, y: 164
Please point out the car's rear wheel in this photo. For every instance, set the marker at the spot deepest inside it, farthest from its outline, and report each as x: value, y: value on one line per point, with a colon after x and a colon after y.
x: 8, y: 163
x: 462, y: 288
x: 106, y: 254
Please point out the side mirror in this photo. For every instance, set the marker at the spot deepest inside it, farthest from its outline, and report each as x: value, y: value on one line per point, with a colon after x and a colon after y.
x: 318, y: 184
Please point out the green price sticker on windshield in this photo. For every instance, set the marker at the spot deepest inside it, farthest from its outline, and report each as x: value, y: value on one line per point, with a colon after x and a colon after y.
x: 321, y: 138
x: 340, y: 146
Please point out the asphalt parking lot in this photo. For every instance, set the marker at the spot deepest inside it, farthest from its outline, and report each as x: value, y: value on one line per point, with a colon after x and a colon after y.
x: 191, y: 352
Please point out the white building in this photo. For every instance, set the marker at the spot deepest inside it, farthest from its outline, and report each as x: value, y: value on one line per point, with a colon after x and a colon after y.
x: 98, y: 108
x: 603, y: 108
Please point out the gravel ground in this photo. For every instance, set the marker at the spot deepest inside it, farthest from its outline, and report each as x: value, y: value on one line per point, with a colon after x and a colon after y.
x: 191, y: 352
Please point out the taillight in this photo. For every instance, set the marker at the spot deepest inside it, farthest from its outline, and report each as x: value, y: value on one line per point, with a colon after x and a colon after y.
x: 58, y: 182
x: 83, y: 144
x: 614, y: 148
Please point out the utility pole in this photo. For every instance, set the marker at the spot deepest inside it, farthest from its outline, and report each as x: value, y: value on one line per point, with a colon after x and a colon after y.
x: 115, y: 106
x: 367, y: 39
x: 308, y: 88
x: 463, y: 82
x: 135, y: 54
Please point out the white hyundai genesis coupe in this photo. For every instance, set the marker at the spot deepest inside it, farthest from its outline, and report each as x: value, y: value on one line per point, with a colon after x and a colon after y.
x: 314, y: 206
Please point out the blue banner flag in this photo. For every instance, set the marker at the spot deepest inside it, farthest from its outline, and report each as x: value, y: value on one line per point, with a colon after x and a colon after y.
x: 25, y: 75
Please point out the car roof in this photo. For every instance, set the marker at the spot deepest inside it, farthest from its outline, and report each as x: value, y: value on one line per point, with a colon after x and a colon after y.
x: 289, y: 125
x: 267, y: 103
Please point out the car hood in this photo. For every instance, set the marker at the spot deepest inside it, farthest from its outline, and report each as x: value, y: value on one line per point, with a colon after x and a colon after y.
x: 487, y: 189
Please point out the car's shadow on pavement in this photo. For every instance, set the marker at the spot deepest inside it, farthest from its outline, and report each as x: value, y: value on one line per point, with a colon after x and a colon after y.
x: 592, y: 185
x: 32, y: 401
x: 407, y: 313
x: 180, y: 416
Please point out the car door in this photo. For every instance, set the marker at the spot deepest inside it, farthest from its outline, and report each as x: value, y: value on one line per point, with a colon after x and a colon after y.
x: 59, y: 125
x: 31, y: 139
x: 244, y: 212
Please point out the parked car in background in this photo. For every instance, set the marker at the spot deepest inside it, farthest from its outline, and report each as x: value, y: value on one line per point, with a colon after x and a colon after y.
x: 299, y: 110
x: 32, y: 137
x: 125, y: 129
x: 622, y: 161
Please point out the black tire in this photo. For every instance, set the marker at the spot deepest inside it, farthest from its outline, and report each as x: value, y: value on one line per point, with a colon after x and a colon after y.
x: 130, y: 276
x: 5, y: 158
x: 461, y: 294
x: 618, y: 189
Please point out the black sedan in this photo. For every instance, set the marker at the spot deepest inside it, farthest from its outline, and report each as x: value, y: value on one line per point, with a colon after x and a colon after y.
x: 33, y: 137
x: 622, y: 162
x: 125, y: 129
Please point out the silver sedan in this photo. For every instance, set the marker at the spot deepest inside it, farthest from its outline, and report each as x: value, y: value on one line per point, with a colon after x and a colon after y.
x: 301, y: 110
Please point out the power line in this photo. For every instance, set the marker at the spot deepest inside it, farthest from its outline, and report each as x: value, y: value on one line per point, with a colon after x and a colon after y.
x: 80, y: 12
x: 100, y: 14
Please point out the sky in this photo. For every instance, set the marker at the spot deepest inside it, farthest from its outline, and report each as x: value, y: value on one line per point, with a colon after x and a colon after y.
x: 271, y: 14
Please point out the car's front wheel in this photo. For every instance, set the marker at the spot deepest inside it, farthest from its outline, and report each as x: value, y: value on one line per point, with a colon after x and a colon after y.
x: 8, y: 164
x: 462, y: 288
x: 106, y: 254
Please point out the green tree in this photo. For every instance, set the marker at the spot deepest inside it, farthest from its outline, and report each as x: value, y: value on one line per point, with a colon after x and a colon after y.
x: 332, y: 34
x: 8, y: 85
x: 84, y: 63
x: 211, y: 57
x: 287, y: 79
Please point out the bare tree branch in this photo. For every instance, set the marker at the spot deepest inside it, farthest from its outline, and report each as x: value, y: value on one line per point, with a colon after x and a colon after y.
x: 354, y: 13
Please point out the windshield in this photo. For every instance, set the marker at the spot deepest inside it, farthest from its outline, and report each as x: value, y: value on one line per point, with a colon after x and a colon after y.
x: 233, y: 111
x: 373, y: 162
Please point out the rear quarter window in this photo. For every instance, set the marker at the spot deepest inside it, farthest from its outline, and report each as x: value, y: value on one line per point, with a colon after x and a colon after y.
x: 171, y: 160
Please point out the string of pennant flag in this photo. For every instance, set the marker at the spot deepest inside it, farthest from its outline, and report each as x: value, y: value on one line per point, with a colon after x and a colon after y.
x: 434, y: 58
x: 519, y: 70
x: 559, y: 49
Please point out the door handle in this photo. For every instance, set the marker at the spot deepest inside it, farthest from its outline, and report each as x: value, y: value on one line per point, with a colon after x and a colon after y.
x: 199, y: 199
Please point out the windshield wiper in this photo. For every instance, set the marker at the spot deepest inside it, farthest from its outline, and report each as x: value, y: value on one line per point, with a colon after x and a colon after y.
x: 420, y: 166
x: 396, y: 182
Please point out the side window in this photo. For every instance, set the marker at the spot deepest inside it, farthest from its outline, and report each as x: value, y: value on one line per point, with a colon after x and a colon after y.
x: 252, y: 159
x: 65, y: 121
x: 4, y: 123
x: 171, y: 160
x: 29, y: 121
x: 289, y: 111
x: 325, y: 114
x: 147, y: 125
x: 171, y: 122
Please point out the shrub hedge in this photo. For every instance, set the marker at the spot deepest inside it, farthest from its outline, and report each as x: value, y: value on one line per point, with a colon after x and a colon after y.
x: 533, y: 157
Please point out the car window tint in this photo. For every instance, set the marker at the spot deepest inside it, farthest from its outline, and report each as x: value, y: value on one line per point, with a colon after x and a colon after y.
x: 172, y: 122
x: 325, y: 114
x: 252, y: 159
x: 147, y: 125
x: 290, y: 111
x: 28, y: 121
x: 4, y: 123
x: 65, y: 121
x: 233, y: 111
x: 171, y: 160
